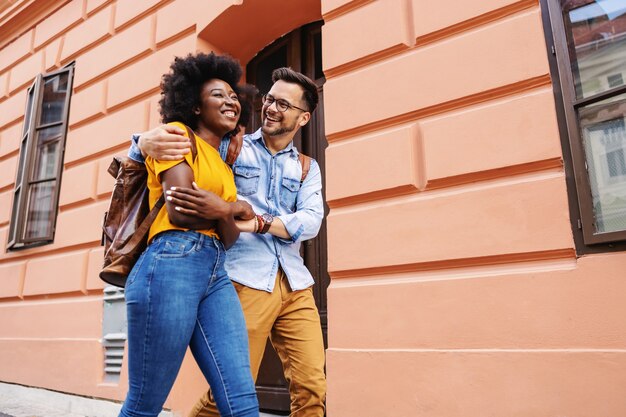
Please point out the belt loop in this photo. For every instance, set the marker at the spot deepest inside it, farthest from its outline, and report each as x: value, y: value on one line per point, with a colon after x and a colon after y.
x: 200, y: 241
x: 216, y: 243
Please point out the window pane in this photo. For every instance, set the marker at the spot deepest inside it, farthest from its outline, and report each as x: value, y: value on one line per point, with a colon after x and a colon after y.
x: 41, y: 210
x: 604, y: 134
x: 597, y: 43
x: 54, y: 92
x: 29, y: 109
x: 22, y: 165
x: 14, y: 214
x: 48, y: 143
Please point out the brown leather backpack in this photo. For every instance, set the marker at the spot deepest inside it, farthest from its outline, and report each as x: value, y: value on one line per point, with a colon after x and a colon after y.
x: 129, y: 217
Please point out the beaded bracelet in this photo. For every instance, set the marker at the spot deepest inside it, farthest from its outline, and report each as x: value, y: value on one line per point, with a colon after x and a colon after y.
x: 259, y: 223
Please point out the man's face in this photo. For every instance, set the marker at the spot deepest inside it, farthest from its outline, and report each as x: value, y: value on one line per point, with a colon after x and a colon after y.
x: 277, y: 123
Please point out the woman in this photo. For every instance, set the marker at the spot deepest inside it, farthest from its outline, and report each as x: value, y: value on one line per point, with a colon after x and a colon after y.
x: 178, y: 293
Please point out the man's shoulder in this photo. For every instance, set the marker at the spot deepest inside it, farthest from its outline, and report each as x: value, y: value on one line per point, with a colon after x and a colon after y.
x: 250, y: 137
x: 248, y: 144
x: 249, y: 151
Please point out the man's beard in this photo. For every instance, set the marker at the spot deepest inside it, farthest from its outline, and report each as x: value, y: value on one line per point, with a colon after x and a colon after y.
x: 279, y: 130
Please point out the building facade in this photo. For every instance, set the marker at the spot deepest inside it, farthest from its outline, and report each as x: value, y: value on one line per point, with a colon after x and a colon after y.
x: 472, y: 260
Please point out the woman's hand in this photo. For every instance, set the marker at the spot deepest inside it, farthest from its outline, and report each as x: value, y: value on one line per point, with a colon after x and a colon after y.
x: 243, y: 210
x: 199, y: 203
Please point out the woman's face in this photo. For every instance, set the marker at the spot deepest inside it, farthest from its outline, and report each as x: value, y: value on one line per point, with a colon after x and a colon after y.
x: 219, y: 107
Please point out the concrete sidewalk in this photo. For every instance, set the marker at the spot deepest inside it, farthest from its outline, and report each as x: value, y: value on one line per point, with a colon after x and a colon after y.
x: 21, y: 401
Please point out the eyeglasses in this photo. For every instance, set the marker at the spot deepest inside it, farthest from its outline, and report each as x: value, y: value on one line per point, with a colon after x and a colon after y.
x: 281, y: 105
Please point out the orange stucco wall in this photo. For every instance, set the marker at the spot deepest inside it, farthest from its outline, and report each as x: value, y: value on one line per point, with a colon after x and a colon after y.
x: 455, y: 289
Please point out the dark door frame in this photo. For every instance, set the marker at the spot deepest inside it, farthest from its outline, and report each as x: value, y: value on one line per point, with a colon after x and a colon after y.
x: 300, y: 50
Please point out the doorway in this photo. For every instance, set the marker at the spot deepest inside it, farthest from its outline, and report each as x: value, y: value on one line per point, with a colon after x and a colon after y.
x: 301, y: 50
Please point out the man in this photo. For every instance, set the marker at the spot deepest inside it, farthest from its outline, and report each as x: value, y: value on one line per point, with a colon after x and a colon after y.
x: 273, y: 284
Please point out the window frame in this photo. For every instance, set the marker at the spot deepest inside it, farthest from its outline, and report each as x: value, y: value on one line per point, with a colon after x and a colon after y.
x: 567, y: 105
x: 27, y: 158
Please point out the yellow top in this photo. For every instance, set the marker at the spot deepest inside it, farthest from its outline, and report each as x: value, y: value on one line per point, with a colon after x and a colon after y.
x: 211, y: 173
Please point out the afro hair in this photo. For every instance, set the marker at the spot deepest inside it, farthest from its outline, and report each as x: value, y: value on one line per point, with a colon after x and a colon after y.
x: 181, y: 87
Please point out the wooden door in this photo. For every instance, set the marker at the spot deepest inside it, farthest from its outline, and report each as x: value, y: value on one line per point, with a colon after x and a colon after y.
x: 300, y: 50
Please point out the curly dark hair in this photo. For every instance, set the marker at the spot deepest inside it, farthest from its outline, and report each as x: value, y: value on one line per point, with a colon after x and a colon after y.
x: 181, y: 87
x: 246, y: 93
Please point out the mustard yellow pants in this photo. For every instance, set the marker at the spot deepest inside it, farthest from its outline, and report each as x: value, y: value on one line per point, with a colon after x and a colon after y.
x: 291, y: 320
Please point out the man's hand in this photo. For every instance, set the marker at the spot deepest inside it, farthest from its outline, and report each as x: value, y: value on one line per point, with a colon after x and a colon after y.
x: 243, y: 210
x: 198, y: 202
x: 165, y: 143
x: 248, y: 226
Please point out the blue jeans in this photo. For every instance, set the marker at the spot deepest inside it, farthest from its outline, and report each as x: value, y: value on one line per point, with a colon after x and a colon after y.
x: 178, y: 295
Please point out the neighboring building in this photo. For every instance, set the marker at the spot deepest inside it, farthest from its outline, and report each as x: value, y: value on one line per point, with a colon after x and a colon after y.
x: 475, y: 173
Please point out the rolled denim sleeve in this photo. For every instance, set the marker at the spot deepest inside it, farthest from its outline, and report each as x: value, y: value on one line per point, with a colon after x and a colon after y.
x: 305, y: 223
x: 134, y: 152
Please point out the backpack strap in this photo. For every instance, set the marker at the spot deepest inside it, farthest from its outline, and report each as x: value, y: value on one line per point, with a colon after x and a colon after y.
x: 305, y: 161
x: 192, y: 140
x: 144, y: 227
x: 234, y: 148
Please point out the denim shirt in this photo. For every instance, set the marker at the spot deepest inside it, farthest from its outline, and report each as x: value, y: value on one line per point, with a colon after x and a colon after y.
x: 271, y: 183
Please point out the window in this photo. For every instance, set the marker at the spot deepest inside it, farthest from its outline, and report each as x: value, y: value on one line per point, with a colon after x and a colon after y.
x: 615, y: 80
x: 588, y: 61
x: 616, y: 164
x: 36, y: 195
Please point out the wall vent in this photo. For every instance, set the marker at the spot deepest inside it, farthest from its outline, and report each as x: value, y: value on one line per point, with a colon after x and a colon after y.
x: 113, y: 332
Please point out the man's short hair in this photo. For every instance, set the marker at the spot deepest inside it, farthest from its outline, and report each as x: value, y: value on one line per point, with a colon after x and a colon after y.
x: 309, y: 89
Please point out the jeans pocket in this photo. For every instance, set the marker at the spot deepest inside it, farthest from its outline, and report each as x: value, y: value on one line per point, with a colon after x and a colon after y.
x: 246, y: 179
x: 176, y: 248
x: 289, y: 192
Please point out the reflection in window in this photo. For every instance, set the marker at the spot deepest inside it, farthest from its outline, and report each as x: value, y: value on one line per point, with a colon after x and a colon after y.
x: 604, y: 135
x: 615, y: 80
x: 39, y: 211
x: 54, y: 93
x: 48, y: 144
x: 616, y: 164
x: 597, y: 32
